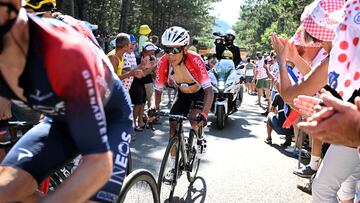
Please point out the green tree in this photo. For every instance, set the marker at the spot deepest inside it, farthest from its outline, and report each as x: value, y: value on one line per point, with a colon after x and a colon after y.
x: 258, y: 19
x: 127, y: 15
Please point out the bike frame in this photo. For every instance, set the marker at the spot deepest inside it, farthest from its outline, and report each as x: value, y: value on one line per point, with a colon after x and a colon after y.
x: 180, y: 134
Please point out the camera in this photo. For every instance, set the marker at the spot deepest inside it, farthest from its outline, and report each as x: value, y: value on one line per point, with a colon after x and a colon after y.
x: 219, y: 38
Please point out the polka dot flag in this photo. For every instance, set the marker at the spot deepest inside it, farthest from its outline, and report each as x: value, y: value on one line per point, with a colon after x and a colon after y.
x: 127, y: 83
x: 344, y: 68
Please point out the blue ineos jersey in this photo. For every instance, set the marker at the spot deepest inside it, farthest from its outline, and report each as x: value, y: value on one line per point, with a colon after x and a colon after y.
x: 67, y: 78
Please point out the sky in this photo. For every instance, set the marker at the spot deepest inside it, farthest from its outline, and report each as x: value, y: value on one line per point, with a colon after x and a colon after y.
x: 227, y: 10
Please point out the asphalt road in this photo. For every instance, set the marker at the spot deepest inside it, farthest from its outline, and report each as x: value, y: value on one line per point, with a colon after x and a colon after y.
x: 238, y: 167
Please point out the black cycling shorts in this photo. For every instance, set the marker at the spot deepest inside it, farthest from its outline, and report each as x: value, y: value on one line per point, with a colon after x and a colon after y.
x: 185, y: 102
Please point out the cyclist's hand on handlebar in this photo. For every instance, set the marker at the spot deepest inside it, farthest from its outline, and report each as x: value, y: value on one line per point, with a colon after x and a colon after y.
x: 202, y: 119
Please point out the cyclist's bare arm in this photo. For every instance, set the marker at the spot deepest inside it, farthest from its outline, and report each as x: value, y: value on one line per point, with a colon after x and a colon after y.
x: 208, y: 99
x: 93, y: 172
x: 313, y: 82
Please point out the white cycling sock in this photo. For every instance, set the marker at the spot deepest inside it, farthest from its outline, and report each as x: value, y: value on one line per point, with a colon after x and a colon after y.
x: 314, y: 162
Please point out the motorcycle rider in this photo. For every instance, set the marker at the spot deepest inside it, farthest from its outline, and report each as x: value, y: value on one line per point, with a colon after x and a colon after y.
x: 228, y: 55
x: 228, y: 45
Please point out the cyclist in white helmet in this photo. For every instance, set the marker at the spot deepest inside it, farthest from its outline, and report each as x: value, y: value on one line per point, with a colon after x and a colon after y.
x: 187, y: 70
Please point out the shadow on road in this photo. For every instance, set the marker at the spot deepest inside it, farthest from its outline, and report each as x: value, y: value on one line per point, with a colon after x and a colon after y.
x: 196, y: 192
x: 234, y: 129
x: 147, y: 148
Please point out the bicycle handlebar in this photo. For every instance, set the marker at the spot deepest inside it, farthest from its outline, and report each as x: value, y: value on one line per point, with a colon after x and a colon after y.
x: 173, y: 116
x: 14, y: 130
x: 8, y: 123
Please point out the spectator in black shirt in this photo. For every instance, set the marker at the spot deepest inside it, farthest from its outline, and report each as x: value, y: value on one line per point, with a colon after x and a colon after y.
x: 229, y: 45
x: 276, y: 118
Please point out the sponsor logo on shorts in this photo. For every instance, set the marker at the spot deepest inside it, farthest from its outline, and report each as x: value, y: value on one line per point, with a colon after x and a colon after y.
x: 121, y: 160
x: 24, y: 153
x: 38, y: 96
x: 107, y: 196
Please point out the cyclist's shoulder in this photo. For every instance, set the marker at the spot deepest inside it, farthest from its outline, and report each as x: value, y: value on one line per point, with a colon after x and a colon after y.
x: 52, y: 32
x: 163, y: 61
x: 55, y: 38
x: 80, y: 26
x: 192, y: 55
x: 195, y: 60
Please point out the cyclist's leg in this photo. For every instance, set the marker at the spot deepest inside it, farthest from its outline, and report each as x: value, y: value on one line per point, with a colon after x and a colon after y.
x: 196, y: 107
x: 181, y: 106
x: 41, y: 150
x: 16, y: 184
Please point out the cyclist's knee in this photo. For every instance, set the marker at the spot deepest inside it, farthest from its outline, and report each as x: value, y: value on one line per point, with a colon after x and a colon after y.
x: 15, y: 184
x: 194, y: 125
x: 194, y: 113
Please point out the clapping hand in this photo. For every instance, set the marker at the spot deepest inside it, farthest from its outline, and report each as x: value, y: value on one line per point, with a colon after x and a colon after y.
x: 307, y: 105
x: 337, y: 123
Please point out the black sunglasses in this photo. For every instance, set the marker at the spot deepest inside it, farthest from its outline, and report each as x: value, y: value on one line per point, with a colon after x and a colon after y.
x: 173, y: 50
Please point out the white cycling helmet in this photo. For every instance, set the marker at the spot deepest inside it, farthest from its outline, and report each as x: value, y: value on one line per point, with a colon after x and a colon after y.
x: 230, y: 32
x: 175, y: 36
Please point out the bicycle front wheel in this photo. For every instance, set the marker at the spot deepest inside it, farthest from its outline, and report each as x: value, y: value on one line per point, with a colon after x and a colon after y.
x: 139, y: 186
x: 166, y: 188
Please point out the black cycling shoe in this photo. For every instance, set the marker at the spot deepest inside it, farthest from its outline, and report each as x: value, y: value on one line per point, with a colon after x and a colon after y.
x: 169, y: 177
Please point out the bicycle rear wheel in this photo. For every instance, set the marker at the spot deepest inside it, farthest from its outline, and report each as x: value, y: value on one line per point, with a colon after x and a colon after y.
x: 139, y: 186
x: 166, y: 190
x: 191, y: 152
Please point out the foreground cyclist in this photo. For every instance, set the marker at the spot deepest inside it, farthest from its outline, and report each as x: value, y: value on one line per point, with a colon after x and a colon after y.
x: 187, y: 70
x: 49, y: 67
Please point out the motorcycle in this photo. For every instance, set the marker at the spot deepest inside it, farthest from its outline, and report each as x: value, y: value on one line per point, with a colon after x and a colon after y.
x: 227, y: 88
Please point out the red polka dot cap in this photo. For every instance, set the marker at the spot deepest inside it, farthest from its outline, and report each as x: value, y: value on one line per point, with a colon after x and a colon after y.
x: 344, y: 66
x: 320, y: 18
x: 298, y: 39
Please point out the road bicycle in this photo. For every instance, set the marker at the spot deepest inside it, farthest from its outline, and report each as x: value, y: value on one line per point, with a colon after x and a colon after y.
x: 185, y: 158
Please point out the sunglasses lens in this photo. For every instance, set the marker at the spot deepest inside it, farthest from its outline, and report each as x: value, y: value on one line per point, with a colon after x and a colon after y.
x: 166, y: 50
x: 173, y: 50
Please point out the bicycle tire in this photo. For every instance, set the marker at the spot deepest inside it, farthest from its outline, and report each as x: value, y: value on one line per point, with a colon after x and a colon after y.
x: 174, y: 141
x: 135, y: 177
x: 129, y: 167
x: 191, y: 152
